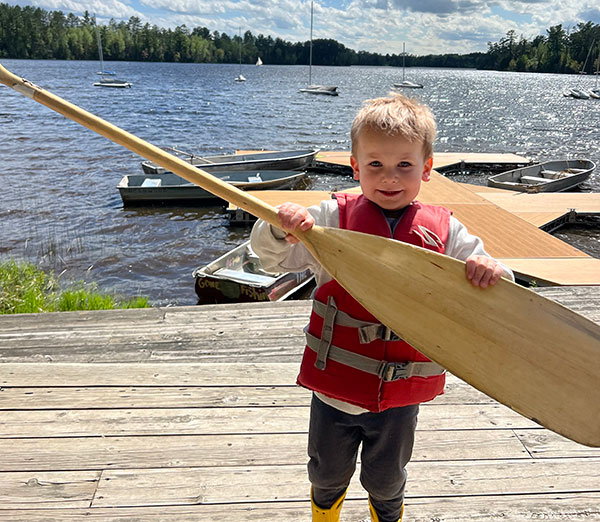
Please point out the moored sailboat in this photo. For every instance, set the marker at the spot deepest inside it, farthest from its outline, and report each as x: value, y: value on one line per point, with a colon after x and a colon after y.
x: 240, y: 77
x: 406, y: 84
x: 330, y: 90
x: 107, y: 80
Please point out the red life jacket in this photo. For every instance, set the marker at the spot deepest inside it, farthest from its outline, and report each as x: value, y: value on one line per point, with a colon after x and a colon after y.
x: 336, y: 373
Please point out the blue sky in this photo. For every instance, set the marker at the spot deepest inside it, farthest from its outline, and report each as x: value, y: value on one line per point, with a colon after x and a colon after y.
x: 427, y: 26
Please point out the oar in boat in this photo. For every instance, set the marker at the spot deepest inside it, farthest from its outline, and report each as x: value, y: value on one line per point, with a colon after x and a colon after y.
x: 527, y: 352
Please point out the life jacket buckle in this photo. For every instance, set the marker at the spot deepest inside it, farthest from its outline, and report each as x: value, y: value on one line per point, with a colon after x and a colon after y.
x: 393, y: 371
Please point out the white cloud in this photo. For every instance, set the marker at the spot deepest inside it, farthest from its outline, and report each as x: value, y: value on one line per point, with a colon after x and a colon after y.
x: 427, y: 26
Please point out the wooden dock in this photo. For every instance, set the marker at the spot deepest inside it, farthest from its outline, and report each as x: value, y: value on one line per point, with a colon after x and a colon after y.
x: 184, y: 414
x: 509, y: 223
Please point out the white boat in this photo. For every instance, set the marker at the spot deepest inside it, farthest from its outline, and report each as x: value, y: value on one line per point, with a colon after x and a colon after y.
x: 238, y: 276
x: 549, y: 176
x: 112, y: 82
x: 139, y: 189
x: 406, y: 84
x: 259, y: 61
x: 105, y: 81
x: 580, y: 94
x: 240, y: 77
x: 282, y: 160
x: 327, y: 90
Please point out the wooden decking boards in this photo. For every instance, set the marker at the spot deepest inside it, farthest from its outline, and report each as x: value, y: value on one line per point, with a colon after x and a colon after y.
x: 509, y: 223
x: 192, y: 414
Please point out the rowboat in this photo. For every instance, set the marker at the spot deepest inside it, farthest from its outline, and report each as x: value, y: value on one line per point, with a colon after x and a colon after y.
x: 283, y: 160
x: 170, y: 188
x: 549, y: 176
x: 238, y: 276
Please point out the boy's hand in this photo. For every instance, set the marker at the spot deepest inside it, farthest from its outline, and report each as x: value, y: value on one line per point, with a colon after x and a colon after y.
x: 483, y: 271
x: 292, y: 217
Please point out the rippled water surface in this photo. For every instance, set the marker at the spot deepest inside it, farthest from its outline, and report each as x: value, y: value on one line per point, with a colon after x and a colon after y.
x: 60, y: 206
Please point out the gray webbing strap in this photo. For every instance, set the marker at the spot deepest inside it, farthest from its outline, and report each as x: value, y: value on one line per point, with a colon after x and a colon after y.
x: 367, y: 331
x: 324, y: 343
x: 387, y: 371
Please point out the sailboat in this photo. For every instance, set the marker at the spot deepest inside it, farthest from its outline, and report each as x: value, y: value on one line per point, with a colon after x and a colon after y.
x: 240, y: 77
x: 406, y: 84
x: 582, y: 94
x: 259, y: 61
x: 330, y: 90
x: 105, y: 81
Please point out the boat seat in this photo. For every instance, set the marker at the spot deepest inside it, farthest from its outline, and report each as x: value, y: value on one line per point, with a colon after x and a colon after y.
x: 534, y: 179
x: 243, y: 277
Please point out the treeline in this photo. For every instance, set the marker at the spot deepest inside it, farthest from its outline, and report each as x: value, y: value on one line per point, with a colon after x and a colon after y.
x: 33, y: 33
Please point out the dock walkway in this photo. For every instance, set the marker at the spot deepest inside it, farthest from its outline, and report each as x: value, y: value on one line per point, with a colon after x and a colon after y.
x: 184, y: 414
x: 508, y: 222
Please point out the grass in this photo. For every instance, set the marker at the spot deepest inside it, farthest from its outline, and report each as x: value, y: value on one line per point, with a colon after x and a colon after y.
x: 24, y: 288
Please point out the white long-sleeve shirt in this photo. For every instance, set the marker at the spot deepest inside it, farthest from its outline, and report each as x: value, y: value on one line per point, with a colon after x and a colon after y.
x: 277, y: 255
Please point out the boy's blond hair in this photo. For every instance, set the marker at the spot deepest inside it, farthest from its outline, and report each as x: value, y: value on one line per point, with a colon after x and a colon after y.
x: 396, y: 115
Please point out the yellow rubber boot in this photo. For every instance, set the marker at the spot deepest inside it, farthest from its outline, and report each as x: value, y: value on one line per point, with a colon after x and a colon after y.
x: 327, y: 515
x: 375, y: 518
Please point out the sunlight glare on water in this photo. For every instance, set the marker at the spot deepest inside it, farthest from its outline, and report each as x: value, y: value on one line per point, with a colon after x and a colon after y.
x: 60, y: 206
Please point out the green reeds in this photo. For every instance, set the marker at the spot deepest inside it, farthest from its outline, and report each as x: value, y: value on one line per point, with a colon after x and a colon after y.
x: 24, y: 288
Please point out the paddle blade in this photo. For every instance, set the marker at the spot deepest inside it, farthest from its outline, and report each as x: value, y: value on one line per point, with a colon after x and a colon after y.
x: 527, y: 352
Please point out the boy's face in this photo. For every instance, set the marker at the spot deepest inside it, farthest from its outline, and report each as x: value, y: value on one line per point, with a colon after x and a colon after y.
x: 390, y: 168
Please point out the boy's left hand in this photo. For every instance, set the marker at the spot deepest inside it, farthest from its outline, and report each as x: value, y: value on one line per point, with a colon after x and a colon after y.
x: 483, y: 271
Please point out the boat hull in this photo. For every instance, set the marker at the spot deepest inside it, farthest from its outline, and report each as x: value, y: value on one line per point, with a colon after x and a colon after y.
x: 408, y: 85
x: 139, y: 189
x: 285, y: 160
x: 549, y: 176
x: 238, y: 277
x: 117, y: 84
x: 327, y: 90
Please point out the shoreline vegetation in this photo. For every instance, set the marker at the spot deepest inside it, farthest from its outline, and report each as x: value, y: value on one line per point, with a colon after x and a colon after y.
x: 25, y: 288
x: 34, y: 33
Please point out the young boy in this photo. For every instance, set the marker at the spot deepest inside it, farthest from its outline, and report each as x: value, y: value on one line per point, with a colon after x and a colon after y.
x: 392, y: 149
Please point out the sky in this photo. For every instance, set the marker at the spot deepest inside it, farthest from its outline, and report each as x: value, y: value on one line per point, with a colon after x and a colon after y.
x: 381, y: 26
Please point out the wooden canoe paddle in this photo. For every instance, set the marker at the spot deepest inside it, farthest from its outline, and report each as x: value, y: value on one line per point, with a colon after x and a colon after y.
x: 527, y: 352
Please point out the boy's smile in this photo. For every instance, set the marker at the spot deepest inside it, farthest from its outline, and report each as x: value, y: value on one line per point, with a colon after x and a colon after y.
x: 390, y: 168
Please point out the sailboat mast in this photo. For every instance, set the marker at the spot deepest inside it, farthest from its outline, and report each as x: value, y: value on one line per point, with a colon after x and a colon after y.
x: 403, y: 59
x: 100, y: 49
x: 240, y: 50
x: 311, y: 46
x: 597, y: 67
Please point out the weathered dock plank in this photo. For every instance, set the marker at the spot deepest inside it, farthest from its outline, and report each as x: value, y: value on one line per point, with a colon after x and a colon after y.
x: 204, y: 421
x: 181, y: 414
x: 572, y: 506
x: 185, y: 451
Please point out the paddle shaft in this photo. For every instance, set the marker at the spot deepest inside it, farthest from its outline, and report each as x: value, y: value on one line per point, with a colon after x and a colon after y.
x: 529, y: 353
x: 172, y: 163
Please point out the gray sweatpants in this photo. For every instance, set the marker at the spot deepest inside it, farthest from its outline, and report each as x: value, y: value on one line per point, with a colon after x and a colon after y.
x: 387, y: 442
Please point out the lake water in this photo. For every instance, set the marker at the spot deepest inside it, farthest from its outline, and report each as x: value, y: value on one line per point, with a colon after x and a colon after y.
x: 60, y: 206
